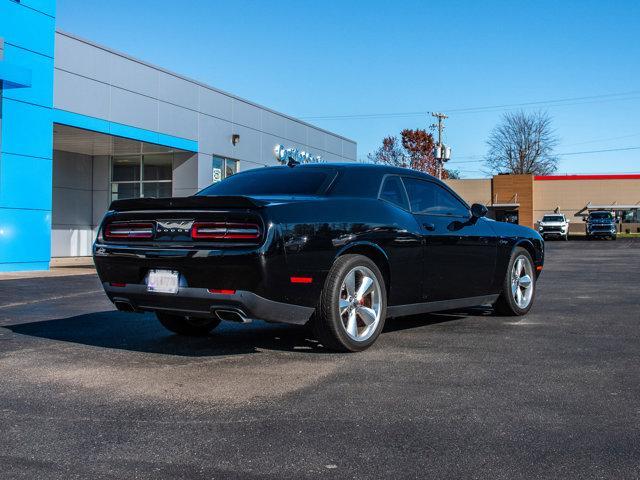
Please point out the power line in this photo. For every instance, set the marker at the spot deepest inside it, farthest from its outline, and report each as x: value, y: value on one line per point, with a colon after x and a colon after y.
x: 602, y: 140
x: 467, y: 161
x: 563, y: 154
x: 599, y: 151
x: 478, y: 158
x: 488, y: 108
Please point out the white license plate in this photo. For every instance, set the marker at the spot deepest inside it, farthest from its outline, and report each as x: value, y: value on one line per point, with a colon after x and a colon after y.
x: 163, y: 281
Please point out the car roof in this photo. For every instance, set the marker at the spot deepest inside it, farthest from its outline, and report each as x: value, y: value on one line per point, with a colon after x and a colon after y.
x: 384, y: 169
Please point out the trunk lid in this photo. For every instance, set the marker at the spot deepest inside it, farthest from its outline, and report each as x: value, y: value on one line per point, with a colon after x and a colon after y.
x: 198, y: 221
x: 178, y: 203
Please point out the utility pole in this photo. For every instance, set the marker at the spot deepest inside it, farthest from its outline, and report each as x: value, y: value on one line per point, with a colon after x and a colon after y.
x: 441, y: 152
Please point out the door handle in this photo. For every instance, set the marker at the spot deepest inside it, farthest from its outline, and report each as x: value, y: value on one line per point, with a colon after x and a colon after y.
x: 429, y: 227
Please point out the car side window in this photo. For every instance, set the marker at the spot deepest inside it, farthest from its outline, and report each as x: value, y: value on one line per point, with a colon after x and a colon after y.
x: 430, y: 198
x: 393, y: 191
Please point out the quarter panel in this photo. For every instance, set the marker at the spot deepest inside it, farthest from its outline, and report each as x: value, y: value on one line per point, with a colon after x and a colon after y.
x: 314, y: 233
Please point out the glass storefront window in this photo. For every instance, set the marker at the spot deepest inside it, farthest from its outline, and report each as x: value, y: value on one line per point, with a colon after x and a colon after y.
x: 156, y: 189
x: 218, y: 169
x: 136, y: 176
x: 627, y: 216
x: 156, y: 167
x: 125, y: 169
x: 123, y: 191
x: 231, y: 168
x: 223, y: 168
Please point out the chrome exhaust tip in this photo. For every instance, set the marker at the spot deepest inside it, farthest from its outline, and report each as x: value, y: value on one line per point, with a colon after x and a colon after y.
x: 125, y: 306
x: 232, y: 316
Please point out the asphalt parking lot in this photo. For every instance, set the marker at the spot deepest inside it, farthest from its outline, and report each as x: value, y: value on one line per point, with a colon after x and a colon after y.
x: 88, y: 392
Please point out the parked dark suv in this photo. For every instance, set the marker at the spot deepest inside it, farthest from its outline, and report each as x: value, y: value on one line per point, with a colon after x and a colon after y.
x: 601, y: 224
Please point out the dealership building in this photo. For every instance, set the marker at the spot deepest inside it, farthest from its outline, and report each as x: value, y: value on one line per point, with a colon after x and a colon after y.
x: 81, y: 125
x: 524, y: 199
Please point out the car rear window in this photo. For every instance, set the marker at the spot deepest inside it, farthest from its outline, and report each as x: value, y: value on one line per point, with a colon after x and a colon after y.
x: 274, y: 181
x: 393, y: 191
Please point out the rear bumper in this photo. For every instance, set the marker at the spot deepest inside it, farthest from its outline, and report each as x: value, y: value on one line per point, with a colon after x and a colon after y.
x: 201, y: 303
x: 263, y: 270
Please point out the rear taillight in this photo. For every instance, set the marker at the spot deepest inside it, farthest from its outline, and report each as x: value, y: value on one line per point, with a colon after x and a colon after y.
x: 222, y: 291
x: 122, y: 230
x: 225, y: 231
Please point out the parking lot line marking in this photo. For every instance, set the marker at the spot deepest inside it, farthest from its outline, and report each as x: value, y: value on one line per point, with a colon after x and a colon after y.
x: 48, y: 299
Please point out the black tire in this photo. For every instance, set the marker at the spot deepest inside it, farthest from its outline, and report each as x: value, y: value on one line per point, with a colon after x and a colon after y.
x: 506, y: 304
x: 187, y: 326
x: 328, y: 323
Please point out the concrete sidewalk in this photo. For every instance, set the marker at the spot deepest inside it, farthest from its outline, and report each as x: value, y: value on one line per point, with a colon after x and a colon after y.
x: 60, y: 267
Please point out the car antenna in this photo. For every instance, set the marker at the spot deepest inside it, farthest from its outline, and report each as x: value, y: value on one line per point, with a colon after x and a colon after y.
x: 292, y: 162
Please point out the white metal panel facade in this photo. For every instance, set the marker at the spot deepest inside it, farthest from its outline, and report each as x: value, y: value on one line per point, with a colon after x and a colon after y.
x: 97, y: 82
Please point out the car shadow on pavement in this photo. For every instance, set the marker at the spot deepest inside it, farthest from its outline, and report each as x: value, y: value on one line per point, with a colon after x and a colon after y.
x: 425, y: 319
x: 143, y: 333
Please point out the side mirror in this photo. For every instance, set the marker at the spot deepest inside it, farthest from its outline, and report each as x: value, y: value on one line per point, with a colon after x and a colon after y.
x: 478, y: 210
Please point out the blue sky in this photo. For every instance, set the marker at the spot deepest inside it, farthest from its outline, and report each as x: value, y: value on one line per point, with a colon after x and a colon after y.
x: 335, y: 58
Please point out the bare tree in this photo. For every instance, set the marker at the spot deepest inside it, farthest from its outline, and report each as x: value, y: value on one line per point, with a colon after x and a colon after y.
x: 523, y: 143
x: 414, y: 150
x: 390, y: 153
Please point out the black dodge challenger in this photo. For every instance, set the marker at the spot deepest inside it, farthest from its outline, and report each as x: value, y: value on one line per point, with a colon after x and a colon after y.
x: 339, y: 246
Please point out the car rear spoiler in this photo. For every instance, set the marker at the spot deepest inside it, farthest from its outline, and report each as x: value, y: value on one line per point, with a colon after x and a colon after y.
x: 200, y: 202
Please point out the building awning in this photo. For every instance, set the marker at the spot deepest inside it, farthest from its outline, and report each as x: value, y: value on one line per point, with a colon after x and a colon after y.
x: 611, y: 206
x: 14, y: 76
x: 504, y: 205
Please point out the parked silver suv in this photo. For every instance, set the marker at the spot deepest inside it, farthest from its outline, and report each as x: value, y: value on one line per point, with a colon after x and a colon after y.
x: 554, y: 225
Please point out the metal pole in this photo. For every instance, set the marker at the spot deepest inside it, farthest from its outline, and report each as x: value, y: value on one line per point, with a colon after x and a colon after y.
x: 440, y: 117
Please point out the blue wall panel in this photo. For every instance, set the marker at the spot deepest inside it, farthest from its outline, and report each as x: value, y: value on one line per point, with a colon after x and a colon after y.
x: 13, y: 76
x: 112, y: 128
x: 26, y: 182
x: 27, y: 135
x: 18, y: 228
x: 27, y: 28
x: 44, y: 6
x: 41, y: 68
x: 26, y: 129
x: 177, y: 142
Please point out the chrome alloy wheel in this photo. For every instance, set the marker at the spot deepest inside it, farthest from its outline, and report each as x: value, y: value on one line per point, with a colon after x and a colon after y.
x: 359, y: 305
x: 522, y: 281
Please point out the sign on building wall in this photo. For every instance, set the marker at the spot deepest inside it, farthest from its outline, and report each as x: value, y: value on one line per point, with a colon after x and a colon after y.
x: 283, y: 155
